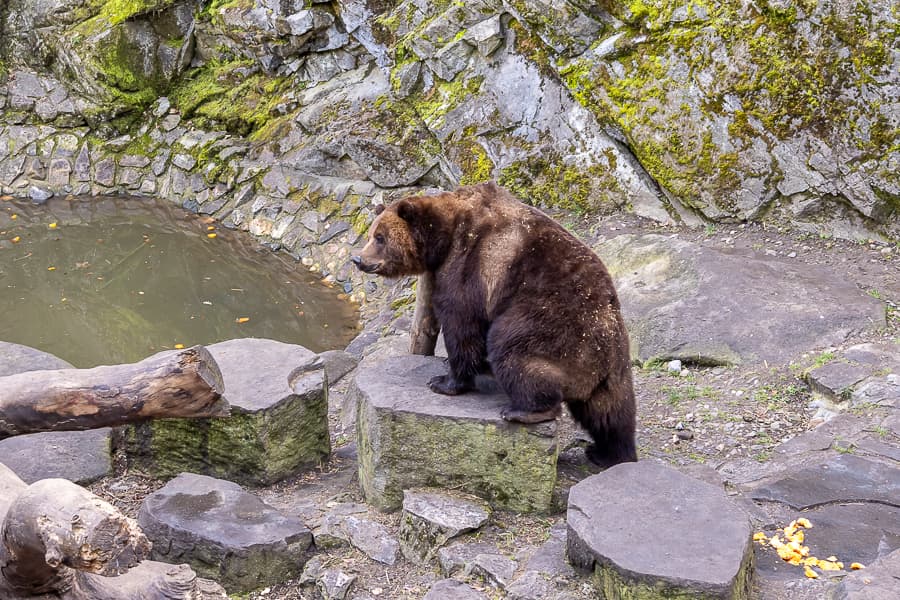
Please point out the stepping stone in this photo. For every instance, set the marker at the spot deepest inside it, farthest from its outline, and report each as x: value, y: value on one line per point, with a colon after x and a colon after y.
x: 224, y: 533
x: 450, y: 589
x: 846, y: 478
x: 679, y: 302
x: 544, y: 571
x: 429, y: 520
x: 277, y: 427
x: 410, y: 437
x: 645, y: 530
x: 79, y: 456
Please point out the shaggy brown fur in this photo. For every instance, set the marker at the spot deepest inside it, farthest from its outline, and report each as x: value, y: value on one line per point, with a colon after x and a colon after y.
x: 517, y: 294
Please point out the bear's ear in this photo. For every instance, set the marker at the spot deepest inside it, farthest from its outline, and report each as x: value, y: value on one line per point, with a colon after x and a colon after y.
x: 408, y: 211
x: 379, y: 208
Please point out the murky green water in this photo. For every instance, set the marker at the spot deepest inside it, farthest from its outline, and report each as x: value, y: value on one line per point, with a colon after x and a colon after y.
x: 115, y: 280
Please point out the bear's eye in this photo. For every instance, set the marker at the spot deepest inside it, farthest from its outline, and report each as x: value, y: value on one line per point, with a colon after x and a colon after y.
x: 379, y: 238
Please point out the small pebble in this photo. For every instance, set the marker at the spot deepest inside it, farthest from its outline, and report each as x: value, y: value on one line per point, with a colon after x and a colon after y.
x: 792, y: 255
x: 674, y: 366
x: 685, y: 435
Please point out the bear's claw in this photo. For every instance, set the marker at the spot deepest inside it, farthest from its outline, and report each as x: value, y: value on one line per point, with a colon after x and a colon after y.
x: 522, y: 416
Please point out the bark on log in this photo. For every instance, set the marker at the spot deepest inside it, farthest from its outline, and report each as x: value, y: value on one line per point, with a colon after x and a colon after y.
x: 424, y: 331
x: 183, y: 383
x: 55, y: 527
x: 60, y: 542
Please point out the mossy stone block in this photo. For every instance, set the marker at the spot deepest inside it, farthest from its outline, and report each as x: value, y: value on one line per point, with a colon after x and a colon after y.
x: 277, y: 427
x: 410, y: 437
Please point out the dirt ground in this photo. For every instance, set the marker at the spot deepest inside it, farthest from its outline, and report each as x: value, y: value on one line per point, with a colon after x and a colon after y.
x: 696, y: 416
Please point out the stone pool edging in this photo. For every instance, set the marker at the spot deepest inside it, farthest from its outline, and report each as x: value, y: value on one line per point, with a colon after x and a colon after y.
x: 318, y: 220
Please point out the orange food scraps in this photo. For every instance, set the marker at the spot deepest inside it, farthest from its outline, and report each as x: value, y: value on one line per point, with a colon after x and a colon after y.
x: 16, y: 240
x: 210, y: 228
x: 52, y: 225
x: 857, y: 566
x: 242, y: 319
x: 210, y: 235
x: 51, y: 268
x: 179, y: 346
x: 792, y: 551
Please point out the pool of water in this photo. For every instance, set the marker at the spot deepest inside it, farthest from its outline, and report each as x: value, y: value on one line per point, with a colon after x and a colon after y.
x: 114, y: 280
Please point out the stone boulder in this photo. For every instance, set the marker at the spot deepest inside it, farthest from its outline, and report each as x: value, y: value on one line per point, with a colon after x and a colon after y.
x: 645, y: 530
x: 430, y: 520
x: 409, y: 437
x: 224, y: 533
x: 277, y: 426
x: 700, y: 305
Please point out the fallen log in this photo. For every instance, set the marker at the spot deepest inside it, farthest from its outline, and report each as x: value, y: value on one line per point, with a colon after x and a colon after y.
x: 424, y: 331
x: 173, y: 384
x: 57, y: 540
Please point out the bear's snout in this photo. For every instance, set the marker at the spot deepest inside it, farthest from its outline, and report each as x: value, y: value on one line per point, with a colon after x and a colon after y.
x: 363, y: 265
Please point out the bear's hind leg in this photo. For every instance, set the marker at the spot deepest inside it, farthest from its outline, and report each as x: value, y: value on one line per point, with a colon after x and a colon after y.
x: 535, y: 394
x: 611, y: 426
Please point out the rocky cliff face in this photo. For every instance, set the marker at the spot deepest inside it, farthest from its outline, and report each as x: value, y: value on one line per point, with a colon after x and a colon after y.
x: 280, y: 112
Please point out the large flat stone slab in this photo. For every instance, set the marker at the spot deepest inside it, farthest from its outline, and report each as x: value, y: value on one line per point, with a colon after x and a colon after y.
x: 846, y: 478
x: 647, y: 531
x: 224, y: 533
x: 277, y: 427
x: 79, y: 456
x: 410, y: 437
x: 688, y: 302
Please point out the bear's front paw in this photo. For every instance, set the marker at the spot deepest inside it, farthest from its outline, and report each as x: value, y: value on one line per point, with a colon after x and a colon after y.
x: 447, y: 385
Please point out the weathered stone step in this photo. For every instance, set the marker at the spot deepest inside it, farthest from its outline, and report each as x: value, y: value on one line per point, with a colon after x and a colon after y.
x: 276, y: 428
x: 224, y: 533
x: 647, y: 531
x: 410, y: 437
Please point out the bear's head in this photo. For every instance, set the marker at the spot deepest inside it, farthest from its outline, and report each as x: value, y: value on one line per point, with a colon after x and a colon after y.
x: 393, y: 248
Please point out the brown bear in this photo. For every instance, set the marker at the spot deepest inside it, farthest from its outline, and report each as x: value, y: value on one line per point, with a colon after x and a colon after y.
x: 519, y: 295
